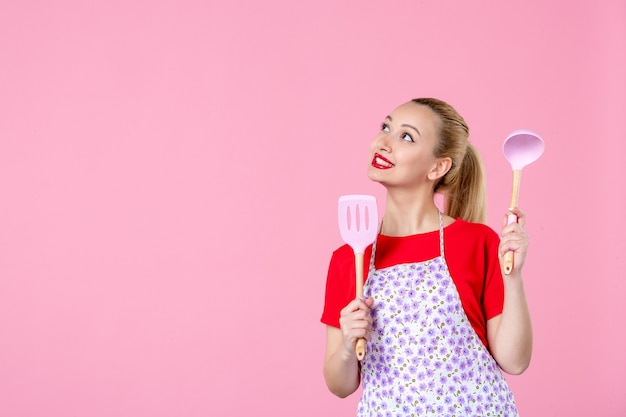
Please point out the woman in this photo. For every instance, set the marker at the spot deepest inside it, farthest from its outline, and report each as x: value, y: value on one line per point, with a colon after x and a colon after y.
x: 439, y: 316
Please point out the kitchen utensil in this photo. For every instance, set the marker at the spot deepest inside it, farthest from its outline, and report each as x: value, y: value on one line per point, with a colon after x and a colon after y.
x: 358, y: 225
x: 521, y: 147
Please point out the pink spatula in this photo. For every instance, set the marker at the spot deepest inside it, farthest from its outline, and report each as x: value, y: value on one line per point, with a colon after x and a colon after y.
x: 521, y: 147
x: 358, y: 225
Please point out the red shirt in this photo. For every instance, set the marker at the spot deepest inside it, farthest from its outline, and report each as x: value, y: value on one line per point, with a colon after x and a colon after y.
x: 471, y: 252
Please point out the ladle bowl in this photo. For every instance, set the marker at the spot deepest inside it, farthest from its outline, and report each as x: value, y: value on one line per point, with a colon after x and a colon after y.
x: 522, y: 147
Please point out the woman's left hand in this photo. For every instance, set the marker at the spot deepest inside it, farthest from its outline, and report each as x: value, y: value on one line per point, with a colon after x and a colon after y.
x: 515, y: 239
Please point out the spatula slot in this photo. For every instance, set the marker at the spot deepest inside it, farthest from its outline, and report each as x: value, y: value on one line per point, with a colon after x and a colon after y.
x: 362, y: 218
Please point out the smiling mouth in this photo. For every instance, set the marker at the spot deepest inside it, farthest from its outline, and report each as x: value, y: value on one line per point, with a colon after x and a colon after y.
x: 381, y: 162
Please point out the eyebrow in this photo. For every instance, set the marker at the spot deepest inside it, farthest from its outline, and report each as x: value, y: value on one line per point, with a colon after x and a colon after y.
x: 406, y: 125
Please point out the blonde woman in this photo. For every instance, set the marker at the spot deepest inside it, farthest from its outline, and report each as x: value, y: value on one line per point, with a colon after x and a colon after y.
x: 440, y: 318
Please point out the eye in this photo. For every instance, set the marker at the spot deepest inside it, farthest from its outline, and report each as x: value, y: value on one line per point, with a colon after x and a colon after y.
x: 407, y: 137
x: 384, y: 127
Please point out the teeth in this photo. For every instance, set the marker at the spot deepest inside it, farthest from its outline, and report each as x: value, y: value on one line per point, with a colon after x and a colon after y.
x: 382, y: 162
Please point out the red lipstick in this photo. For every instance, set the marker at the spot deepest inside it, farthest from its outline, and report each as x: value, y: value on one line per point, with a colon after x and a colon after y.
x: 381, y: 162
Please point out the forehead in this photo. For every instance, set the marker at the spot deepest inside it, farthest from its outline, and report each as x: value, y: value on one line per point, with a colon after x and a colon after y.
x: 412, y: 109
x: 417, y: 114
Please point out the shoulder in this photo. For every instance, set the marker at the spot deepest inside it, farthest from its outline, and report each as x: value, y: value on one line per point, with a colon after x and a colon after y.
x: 474, y: 230
x: 471, y: 237
x: 343, y: 254
x: 342, y: 259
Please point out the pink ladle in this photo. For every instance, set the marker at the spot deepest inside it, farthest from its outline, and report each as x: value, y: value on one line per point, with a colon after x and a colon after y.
x: 521, y: 147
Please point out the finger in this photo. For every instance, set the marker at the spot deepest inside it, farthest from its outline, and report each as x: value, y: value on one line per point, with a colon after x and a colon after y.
x: 508, y: 247
x: 514, y: 228
x: 361, y: 324
x: 509, y: 218
x: 520, y: 239
x: 364, y: 304
x: 513, y: 232
x: 360, y: 315
x: 518, y: 247
x: 350, y: 314
x: 360, y: 334
x: 354, y: 305
x: 521, y: 217
x: 355, y: 330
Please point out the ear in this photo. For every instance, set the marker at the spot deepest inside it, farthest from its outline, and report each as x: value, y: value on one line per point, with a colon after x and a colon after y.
x: 441, y: 168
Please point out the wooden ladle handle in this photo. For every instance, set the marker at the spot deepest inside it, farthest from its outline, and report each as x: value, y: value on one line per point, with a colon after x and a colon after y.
x: 508, y: 257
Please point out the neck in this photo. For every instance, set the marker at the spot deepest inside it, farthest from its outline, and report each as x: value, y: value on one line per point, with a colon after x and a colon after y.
x: 409, y: 213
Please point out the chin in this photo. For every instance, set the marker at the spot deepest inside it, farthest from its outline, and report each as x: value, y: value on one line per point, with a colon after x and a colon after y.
x: 374, y: 177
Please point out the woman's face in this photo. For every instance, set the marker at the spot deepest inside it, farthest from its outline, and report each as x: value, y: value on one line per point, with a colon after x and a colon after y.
x: 401, y: 155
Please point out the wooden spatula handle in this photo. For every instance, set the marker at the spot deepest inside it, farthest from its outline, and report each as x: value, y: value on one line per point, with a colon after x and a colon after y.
x: 360, y: 349
x: 358, y: 260
x: 508, y: 257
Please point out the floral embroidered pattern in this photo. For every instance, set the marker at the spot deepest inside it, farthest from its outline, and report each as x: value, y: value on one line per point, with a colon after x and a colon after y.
x: 424, y: 358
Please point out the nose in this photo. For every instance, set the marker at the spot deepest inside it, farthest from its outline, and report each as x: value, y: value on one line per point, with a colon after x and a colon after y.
x: 382, y: 142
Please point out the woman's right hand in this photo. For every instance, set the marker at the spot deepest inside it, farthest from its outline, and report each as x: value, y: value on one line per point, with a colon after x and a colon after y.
x: 356, y: 323
x: 341, y: 367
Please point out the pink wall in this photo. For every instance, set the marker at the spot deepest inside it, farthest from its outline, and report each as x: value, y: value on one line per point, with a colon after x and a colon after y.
x: 169, y: 173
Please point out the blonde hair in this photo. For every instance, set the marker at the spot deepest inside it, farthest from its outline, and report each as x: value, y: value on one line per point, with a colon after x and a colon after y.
x: 463, y: 186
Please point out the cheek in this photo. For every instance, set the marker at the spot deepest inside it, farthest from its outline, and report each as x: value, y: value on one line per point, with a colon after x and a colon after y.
x: 413, y: 165
x: 374, y: 144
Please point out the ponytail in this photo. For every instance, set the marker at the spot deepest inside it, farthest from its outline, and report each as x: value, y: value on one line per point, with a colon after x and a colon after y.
x: 465, y: 191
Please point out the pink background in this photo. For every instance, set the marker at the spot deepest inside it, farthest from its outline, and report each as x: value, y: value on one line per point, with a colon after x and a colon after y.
x: 169, y: 172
